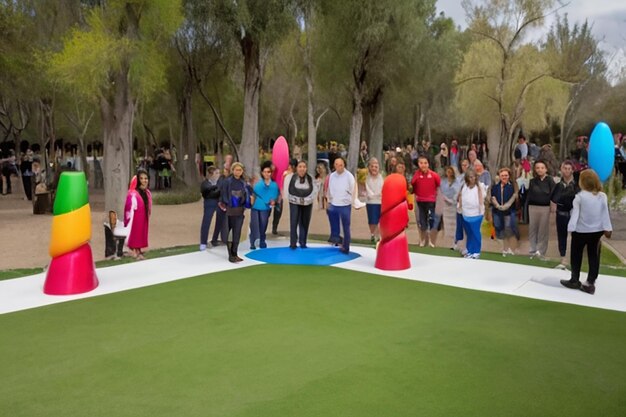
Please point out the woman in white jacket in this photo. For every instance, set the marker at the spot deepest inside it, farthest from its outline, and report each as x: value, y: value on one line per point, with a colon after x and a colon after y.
x: 589, y: 220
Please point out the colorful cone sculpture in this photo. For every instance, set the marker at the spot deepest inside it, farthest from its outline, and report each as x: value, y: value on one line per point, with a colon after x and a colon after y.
x: 72, y: 270
x: 392, y: 253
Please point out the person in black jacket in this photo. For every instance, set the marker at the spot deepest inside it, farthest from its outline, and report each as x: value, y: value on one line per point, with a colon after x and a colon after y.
x: 563, y: 196
x: 211, y: 195
x: 539, y: 193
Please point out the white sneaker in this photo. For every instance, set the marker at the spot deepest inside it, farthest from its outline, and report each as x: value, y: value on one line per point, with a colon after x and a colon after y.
x: 202, y: 248
x: 509, y: 251
x: 504, y: 253
x: 560, y: 266
x: 475, y: 256
x: 535, y: 254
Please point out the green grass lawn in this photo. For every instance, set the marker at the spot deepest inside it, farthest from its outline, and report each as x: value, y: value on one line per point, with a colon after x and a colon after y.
x: 311, y: 341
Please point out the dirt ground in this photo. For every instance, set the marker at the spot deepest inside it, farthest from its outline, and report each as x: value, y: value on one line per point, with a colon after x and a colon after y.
x: 24, y: 237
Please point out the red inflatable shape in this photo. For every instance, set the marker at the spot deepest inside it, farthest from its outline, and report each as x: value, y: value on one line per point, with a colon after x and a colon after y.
x: 71, y: 273
x: 280, y: 159
x: 392, y: 253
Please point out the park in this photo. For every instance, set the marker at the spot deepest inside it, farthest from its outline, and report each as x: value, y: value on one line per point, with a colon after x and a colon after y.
x: 307, y: 208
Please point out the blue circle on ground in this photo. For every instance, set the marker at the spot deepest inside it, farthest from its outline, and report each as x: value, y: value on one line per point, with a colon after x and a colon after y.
x: 309, y: 256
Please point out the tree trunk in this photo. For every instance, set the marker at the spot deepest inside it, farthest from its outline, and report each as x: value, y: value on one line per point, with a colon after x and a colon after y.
x: 376, y: 128
x: 356, y: 125
x: 417, y: 120
x: 46, y: 107
x: 117, y: 121
x: 249, y: 149
x: 311, y: 127
x: 187, y: 153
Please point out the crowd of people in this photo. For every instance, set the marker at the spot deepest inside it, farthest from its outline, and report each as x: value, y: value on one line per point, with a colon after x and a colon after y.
x: 454, y: 191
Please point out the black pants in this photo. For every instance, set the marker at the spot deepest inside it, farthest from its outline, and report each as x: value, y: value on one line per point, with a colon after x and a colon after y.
x: 592, y: 241
x: 561, y: 231
x: 299, y: 220
x: 221, y: 227
x: 234, y: 224
x: 277, y: 213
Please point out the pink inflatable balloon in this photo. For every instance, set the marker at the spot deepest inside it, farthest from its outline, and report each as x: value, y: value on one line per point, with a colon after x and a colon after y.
x: 71, y: 273
x: 280, y: 159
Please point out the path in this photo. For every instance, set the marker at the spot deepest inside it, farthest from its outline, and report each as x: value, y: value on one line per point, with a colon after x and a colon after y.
x: 517, y: 280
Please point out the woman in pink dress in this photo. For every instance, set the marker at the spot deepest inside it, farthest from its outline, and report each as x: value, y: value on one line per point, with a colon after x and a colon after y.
x: 137, y: 214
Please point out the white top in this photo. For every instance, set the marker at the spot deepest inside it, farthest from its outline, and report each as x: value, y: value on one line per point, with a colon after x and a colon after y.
x: 374, y: 189
x: 471, y: 203
x: 590, y: 213
x: 341, y: 188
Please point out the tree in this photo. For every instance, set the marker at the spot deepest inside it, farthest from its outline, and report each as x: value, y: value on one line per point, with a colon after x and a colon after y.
x: 574, y: 58
x: 368, y: 51
x: 499, y: 71
x: 256, y: 25
x: 116, y: 60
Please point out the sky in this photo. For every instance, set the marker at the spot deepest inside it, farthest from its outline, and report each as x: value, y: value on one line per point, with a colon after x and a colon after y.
x: 607, y: 17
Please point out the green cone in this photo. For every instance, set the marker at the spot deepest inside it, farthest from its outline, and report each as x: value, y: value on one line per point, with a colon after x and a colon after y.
x: 71, y: 193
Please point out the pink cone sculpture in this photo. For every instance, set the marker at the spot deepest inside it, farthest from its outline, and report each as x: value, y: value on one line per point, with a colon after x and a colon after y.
x: 392, y: 253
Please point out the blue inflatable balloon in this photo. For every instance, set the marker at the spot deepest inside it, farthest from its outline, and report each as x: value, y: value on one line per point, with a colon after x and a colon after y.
x: 602, y: 151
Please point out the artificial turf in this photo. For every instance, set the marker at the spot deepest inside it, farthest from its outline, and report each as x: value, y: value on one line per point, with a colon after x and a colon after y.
x: 311, y: 341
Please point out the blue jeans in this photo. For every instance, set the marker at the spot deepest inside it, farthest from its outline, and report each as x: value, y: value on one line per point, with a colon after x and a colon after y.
x: 471, y: 225
x: 341, y: 214
x: 258, y: 227
x: 210, y: 205
x: 501, y: 221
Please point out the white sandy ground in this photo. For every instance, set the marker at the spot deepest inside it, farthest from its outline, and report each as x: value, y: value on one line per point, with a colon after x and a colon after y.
x: 518, y: 280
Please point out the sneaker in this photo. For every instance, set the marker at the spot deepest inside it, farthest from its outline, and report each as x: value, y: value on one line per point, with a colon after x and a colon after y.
x: 588, y: 288
x: 263, y: 245
x: 292, y: 246
x: 504, y: 253
x: 560, y: 266
x: 536, y: 254
x: 455, y: 247
x: 252, y: 247
x: 574, y: 285
x: 475, y: 256
x: 303, y: 246
x: 202, y: 248
x: 238, y: 259
x: 509, y: 251
x: 464, y: 252
x: 214, y: 243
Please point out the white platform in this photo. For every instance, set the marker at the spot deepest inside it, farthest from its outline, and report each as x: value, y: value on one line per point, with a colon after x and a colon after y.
x: 498, y: 277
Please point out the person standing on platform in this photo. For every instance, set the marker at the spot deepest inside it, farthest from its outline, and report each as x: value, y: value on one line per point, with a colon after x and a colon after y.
x: 472, y: 204
x: 563, y: 196
x: 265, y: 195
x: 233, y: 199
x: 301, y: 192
x: 341, y: 189
x: 374, y: 191
x: 211, y: 194
x: 588, y: 222
x: 425, y: 184
x: 539, y: 193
